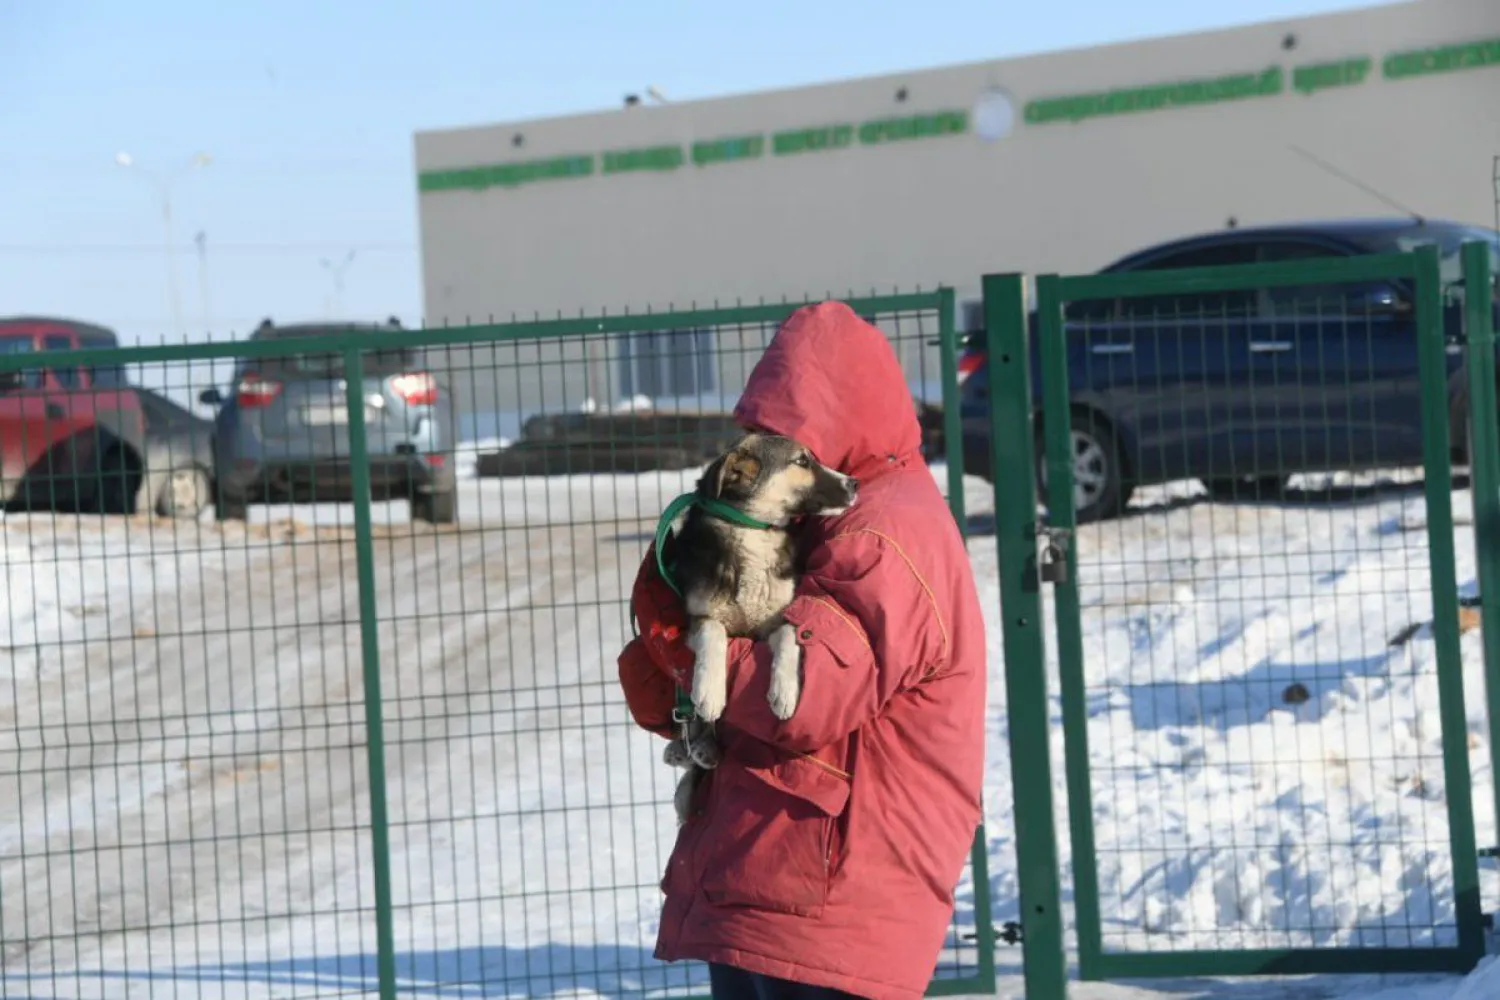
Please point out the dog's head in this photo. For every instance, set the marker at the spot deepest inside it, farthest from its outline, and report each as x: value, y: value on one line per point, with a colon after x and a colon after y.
x: 775, y: 479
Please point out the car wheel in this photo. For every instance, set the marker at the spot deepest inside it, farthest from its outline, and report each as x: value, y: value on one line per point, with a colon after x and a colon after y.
x: 185, y: 494
x: 1099, y: 489
x: 1245, y: 489
x: 435, y: 508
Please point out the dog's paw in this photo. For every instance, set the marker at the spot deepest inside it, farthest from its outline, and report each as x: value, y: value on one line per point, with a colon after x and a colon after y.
x: 786, y: 673
x: 711, y: 674
x: 784, y: 696
x: 676, y: 754
x: 708, y: 702
x: 704, y: 750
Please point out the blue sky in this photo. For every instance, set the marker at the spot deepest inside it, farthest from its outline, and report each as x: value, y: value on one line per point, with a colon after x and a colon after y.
x: 308, y: 110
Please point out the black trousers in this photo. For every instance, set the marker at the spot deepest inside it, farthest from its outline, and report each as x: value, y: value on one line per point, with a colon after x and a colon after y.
x: 729, y: 983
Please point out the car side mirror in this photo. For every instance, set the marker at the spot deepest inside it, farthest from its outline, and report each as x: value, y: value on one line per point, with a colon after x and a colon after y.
x: 211, y: 397
x: 1381, y: 300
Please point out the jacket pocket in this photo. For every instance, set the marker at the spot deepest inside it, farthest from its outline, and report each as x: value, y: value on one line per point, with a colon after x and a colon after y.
x: 768, y: 837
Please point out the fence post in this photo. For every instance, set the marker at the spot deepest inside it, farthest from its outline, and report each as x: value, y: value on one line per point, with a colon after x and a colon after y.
x: 1438, y: 477
x: 1484, y: 477
x: 953, y: 455
x: 1057, y: 434
x: 953, y: 421
x: 369, y: 640
x: 1028, y: 713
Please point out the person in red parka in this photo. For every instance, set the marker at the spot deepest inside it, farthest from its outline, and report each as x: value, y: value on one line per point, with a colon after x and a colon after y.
x: 822, y: 854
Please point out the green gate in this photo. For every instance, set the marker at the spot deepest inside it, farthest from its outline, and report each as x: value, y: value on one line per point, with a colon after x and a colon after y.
x: 1261, y: 691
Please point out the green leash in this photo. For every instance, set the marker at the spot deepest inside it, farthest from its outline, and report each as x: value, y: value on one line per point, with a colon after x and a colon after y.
x: 683, y: 711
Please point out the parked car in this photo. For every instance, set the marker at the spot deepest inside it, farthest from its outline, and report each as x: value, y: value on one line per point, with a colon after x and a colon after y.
x: 71, y: 437
x: 179, y: 458
x: 1241, y: 390
x: 281, y: 434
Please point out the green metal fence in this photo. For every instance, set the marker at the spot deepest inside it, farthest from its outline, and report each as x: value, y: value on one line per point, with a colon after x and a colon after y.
x: 331, y: 750
x: 1249, y: 546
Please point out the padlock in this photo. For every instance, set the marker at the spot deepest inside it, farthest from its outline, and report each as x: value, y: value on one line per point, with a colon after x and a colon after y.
x: 1054, y: 568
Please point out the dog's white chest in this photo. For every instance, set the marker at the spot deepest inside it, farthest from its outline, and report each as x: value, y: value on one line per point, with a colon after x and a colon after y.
x: 762, y: 596
x: 763, y: 593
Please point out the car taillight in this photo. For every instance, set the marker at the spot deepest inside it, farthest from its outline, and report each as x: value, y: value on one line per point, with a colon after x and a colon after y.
x: 968, y: 364
x: 415, y: 388
x: 254, y: 391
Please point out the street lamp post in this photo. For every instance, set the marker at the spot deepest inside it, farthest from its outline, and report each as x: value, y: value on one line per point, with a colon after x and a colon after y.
x: 201, y: 241
x: 164, y: 194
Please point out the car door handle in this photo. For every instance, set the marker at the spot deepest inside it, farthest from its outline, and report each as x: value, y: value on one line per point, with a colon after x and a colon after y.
x: 55, y: 412
x: 1112, y: 348
x: 1269, y: 346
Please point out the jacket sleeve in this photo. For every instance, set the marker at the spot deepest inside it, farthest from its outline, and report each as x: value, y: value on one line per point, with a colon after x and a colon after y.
x: 649, y: 693
x: 868, y: 628
x: 652, y: 661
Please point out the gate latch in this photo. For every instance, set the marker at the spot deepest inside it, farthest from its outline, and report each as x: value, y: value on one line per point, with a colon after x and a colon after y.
x: 1053, y: 567
x: 1008, y: 933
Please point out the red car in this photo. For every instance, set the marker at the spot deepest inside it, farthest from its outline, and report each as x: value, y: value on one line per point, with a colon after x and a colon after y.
x: 71, y: 438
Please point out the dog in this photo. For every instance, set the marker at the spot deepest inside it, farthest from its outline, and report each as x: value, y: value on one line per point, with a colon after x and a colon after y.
x: 737, y: 565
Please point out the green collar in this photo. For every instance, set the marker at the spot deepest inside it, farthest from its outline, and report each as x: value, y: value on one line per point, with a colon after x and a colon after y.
x: 712, y: 507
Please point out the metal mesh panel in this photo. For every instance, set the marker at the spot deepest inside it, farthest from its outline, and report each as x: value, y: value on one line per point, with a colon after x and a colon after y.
x: 182, y: 736
x: 1261, y: 643
x: 194, y: 723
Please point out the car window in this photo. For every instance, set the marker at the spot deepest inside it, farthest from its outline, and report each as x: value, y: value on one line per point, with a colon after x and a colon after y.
x: 68, y: 378
x: 1314, y: 300
x: 1089, y: 311
x: 1211, y: 255
x: 1197, y: 305
x: 108, y: 377
x: 14, y: 380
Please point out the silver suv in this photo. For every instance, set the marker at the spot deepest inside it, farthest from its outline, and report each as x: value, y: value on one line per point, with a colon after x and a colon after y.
x: 282, y: 434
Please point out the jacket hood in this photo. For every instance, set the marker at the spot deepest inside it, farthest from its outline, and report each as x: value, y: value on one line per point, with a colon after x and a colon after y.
x: 832, y: 381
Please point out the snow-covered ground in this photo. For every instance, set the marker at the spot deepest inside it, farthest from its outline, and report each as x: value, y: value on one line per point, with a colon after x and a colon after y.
x: 181, y: 734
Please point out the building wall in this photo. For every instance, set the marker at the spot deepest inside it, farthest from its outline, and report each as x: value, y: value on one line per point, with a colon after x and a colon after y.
x: 1068, y: 194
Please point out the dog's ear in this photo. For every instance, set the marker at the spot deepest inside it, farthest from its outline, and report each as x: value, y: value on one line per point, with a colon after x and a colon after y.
x: 712, y: 479
x: 733, y: 469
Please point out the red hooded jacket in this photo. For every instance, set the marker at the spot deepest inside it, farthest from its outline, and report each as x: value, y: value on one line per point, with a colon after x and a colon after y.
x: 825, y: 849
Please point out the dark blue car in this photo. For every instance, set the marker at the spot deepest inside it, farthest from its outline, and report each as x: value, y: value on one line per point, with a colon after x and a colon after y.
x: 1241, y: 390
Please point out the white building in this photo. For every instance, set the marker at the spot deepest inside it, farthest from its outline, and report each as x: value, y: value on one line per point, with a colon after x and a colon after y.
x: 1055, y: 162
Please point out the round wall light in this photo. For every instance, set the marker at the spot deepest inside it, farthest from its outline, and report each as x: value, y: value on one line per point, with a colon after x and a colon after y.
x: 994, y: 115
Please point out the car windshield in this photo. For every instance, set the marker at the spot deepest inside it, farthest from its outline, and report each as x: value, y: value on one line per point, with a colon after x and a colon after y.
x: 320, y: 365
x: 331, y: 365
